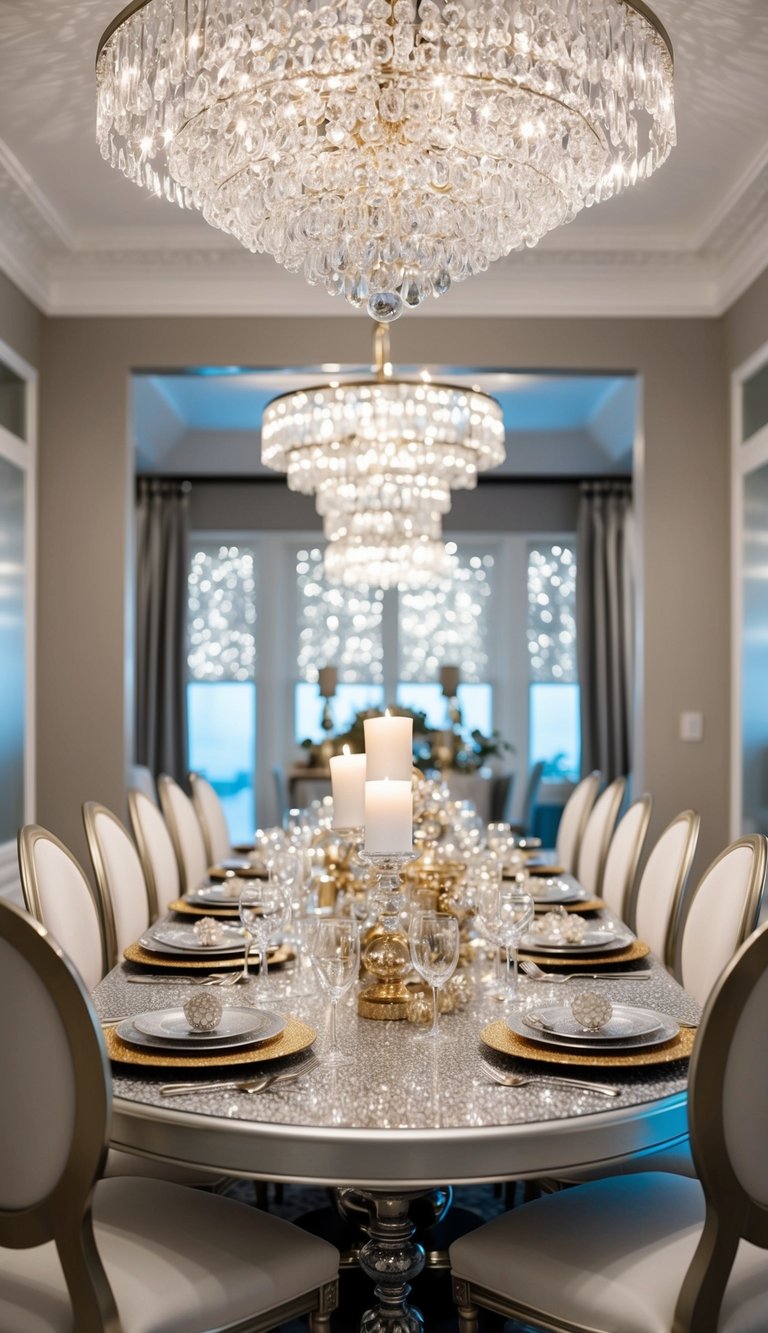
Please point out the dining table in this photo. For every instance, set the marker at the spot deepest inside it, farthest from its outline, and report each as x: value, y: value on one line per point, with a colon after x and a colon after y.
x: 406, y: 1114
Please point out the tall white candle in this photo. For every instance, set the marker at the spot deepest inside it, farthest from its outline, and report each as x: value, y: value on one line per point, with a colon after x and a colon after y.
x: 348, y: 787
x: 388, y: 816
x: 389, y: 748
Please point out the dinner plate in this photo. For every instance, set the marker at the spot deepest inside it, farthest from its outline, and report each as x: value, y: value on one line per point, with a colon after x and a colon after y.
x: 243, y: 869
x: 296, y: 1037
x: 595, y: 939
x: 626, y: 1021
x: 555, y: 891
x: 181, y: 938
x: 500, y: 1037
x: 667, y: 1030
x: 223, y: 894
x: 173, y: 1025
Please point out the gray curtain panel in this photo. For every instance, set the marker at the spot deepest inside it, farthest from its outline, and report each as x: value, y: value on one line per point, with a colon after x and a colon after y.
x: 162, y: 526
x: 605, y: 626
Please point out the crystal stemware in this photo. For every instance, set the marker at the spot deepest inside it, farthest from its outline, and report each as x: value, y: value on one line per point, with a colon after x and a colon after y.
x: 264, y: 908
x: 335, y: 954
x: 433, y: 938
x: 514, y: 914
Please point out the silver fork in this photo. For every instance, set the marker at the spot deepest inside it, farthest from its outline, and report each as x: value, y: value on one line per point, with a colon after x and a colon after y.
x: 212, y: 979
x: 520, y: 1080
x: 536, y: 973
x: 250, y: 1085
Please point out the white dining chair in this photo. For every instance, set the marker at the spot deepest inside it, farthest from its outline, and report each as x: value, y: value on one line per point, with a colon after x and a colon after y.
x: 654, y: 1253
x: 597, y: 834
x: 156, y: 852
x: 58, y: 894
x: 720, y: 913
x: 660, y: 892
x: 120, y: 879
x: 116, y: 1256
x: 573, y: 821
x: 213, y: 821
x: 623, y: 856
x: 186, y: 834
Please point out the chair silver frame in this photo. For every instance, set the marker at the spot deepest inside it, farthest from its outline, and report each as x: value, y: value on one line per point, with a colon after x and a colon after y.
x: 169, y: 814
x: 137, y: 829
x: 64, y: 1216
x: 757, y: 843
x: 731, y: 1213
x: 28, y: 837
x: 693, y: 820
x: 92, y: 809
x: 592, y: 781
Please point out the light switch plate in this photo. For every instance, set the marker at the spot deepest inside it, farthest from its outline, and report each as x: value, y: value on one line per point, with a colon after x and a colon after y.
x: 691, y: 726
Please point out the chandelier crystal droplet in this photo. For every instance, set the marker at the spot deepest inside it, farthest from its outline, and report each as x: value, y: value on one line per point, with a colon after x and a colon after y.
x: 386, y: 149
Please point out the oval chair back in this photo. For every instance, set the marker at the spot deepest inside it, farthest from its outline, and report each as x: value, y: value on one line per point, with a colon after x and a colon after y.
x: 660, y: 893
x: 573, y: 821
x: 58, y: 894
x: 597, y: 834
x: 213, y: 821
x: 623, y: 856
x: 119, y: 878
x: 721, y: 912
x: 186, y: 834
x: 156, y: 852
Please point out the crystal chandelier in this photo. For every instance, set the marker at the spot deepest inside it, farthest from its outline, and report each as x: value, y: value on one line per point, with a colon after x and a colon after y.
x: 385, y: 148
x: 381, y: 456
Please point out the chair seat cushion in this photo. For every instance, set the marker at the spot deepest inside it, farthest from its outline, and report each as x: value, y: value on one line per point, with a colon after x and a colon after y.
x: 610, y: 1255
x: 178, y: 1261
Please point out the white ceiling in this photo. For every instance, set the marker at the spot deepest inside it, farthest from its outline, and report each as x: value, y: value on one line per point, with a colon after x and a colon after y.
x: 80, y: 239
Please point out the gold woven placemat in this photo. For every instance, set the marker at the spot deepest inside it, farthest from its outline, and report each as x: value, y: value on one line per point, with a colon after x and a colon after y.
x: 637, y: 949
x: 501, y: 1038
x: 583, y: 905
x: 135, y: 954
x: 295, y: 1037
x: 216, y: 909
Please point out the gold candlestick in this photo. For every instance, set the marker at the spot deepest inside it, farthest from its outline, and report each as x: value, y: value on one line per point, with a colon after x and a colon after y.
x: 386, y: 955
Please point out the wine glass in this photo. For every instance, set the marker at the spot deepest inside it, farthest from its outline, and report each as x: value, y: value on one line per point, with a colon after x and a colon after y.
x: 335, y: 954
x: 433, y: 938
x: 514, y: 914
x: 264, y: 908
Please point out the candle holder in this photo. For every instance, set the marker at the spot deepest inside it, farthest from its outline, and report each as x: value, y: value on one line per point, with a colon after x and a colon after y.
x: 386, y: 955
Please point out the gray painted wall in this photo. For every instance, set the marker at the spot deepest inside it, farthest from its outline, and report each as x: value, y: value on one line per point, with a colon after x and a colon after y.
x: 85, y: 514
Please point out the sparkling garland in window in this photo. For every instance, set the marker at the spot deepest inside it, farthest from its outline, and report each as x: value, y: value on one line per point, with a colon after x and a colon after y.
x: 221, y: 614
x: 337, y: 626
x: 552, y: 613
x: 448, y: 622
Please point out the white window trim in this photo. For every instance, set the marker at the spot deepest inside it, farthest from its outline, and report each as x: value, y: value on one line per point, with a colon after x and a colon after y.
x: 23, y: 455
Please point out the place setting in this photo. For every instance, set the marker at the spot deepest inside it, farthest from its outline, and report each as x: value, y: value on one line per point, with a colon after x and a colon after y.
x: 590, y: 1030
x: 204, y: 1032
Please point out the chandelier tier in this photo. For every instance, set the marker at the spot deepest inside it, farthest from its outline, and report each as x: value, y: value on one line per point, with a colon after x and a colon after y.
x: 383, y: 148
x: 382, y: 456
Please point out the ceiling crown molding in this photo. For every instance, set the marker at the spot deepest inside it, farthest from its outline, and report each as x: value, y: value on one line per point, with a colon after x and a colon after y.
x: 161, y: 271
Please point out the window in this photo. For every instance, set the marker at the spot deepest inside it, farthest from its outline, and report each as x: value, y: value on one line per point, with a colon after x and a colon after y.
x: 553, y: 727
x: 396, y: 654
x: 221, y: 688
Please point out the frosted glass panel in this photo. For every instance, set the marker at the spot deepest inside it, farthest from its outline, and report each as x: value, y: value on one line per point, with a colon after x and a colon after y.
x: 754, y: 666
x: 11, y: 650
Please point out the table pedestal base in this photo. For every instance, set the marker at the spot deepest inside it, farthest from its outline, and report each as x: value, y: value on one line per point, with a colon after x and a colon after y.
x: 391, y: 1258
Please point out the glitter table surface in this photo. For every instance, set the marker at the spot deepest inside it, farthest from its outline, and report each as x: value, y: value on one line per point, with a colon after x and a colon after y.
x: 404, y: 1111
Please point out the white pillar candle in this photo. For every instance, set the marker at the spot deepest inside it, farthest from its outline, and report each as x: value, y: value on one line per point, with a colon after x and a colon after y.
x: 389, y: 748
x: 388, y: 817
x: 348, y: 787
